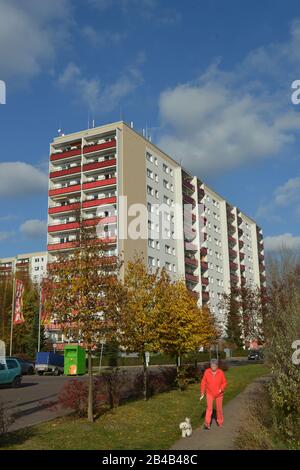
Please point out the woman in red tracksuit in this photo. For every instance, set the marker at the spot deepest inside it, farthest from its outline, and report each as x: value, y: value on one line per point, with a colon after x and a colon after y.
x: 213, y: 385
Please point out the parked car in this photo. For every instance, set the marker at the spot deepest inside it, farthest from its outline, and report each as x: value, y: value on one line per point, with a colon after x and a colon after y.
x: 10, y: 372
x: 255, y: 355
x: 49, y: 362
x: 27, y: 367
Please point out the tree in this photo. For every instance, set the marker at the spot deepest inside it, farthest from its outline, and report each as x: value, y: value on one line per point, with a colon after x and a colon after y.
x: 183, y: 327
x: 244, y: 312
x: 82, y: 290
x: 138, y: 319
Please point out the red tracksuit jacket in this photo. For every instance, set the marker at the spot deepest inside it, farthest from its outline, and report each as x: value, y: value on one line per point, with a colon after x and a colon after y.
x: 213, y: 385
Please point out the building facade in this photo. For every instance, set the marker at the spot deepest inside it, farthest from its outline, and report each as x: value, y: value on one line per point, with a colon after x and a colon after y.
x: 33, y: 265
x: 148, y: 203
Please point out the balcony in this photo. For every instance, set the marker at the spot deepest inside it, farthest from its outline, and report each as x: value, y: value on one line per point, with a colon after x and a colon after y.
x: 95, y: 148
x: 191, y: 278
x: 204, y: 265
x: 194, y: 218
x: 241, y: 244
x: 232, y: 253
x: 261, y: 257
x: 233, y: 266
x: 66, y: 154
x: 203, y: 220
x: 200, y: 193
x: 68, y: 171
x: 62, y: 246
x: 205, y: 296
x: 188, y: 185
x: 191, y: 261
x: 96, y: 165
x: 188, y: 200
x: 205, y: 281
x: 64, y: 208
x: 203, y: 251
x: 241, y: 231
x: 63, y: 226
x: 102, y: 220
x: 74, y: 188
x: 234, y: 279
x: 230, y: 217
x: 99, y: 202
x: 231, y: 240
x: 243, y: 268
x: 99, y: 184
x: 242, y: 256
x: 239, y: 220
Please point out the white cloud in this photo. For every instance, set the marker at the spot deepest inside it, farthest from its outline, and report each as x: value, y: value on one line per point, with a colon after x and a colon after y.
x: 97, y: 96
x: 31, y: 32
x: 288, y: 193
x: 286, y: 240
x: 21, y: 179
x: 34, y: 229
x: 224, y: 120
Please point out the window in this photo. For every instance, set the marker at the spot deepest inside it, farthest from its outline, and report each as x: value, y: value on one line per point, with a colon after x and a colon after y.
x: 149, y: 173
x: 11, y: 364
x: 149, y: 157
x: 166, y: 169
x: 165, y: 184
x: 158, y: 263
x: 151, y: 261
x: 156, y: 161
x: 157, y: 245
x: 174, y: 268
x: 157, y: 194
x: 150, y: 190
x: 171, y: 172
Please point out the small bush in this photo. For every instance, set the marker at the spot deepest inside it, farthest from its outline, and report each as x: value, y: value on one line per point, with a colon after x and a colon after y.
x: 74, y: 396
x: 111, y: 386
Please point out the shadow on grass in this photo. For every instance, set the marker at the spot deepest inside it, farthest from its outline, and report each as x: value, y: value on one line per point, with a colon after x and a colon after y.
x: 16, y: 437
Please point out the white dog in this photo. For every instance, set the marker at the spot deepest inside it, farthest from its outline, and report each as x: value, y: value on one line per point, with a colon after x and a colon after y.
x: 186, y: 428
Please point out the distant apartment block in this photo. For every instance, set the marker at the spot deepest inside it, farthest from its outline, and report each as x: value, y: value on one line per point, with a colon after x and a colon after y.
x: 33, y: 265
x: 93, y: 171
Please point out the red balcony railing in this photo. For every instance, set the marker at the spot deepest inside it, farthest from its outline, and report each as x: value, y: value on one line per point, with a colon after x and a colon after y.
x: 100, y: 183
x: 102, y: 220
x: 232, y: 253
x: 242, y: 256
x: 234, y: 279
x: 233, y: 266
x: 243, y: 267
x: 69, y: 189
x: 97, y: 147
x: 66, y: 208
x: 191, y: 277
x: 189, y: 200
x: 191, y: 261
x: 188, y: 185
x: 62, y: 246
x: 69, y: 171
x: 203, y: 251
x: 205, y: 281
x: 204, y: 265
x: 231, y: 240
x: 200, y: 193
x: 99, y: 202
x: 239, y: 220
x: 62, y: 227
x: 241, y: 244
x: 96, y: 165
x: 67, y: 154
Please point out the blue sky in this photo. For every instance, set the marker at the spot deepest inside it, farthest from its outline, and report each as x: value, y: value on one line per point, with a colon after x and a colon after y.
x: 211, y: 79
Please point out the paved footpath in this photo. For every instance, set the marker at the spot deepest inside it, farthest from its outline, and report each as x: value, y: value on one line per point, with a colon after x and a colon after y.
x: 216, y: 438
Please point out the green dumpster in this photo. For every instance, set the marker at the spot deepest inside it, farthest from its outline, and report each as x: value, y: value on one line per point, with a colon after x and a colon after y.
x: 74, y: 360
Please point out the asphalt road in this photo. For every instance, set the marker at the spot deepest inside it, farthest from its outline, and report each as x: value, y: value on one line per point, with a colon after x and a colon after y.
x: 32, y: 402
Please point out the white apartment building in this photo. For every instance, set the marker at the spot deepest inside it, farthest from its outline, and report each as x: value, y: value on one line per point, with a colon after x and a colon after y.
x: 32, y: 264
x: 180, y: 223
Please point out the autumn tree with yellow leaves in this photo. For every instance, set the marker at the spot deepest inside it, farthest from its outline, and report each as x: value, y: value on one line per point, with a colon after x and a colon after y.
x: 183, y: 326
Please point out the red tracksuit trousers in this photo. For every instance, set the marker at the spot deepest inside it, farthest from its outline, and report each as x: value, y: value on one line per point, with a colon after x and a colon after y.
x: 209, y: 409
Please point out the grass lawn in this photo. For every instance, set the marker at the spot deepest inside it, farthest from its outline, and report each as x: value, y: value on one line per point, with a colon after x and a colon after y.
x: 151, y: 425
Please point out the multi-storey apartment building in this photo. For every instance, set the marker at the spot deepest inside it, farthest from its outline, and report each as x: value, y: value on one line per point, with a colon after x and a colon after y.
x: 33, y: 265
x: 147, y: 203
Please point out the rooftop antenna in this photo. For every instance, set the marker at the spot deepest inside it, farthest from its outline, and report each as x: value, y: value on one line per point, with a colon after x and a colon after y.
x: 93, y: 123
x: 131, y: 124
x: 88, y: 119
x: 60, y: 132
x: 143, y: 131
